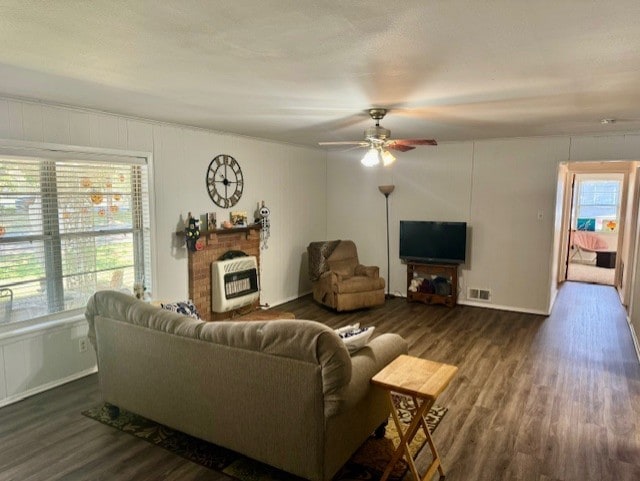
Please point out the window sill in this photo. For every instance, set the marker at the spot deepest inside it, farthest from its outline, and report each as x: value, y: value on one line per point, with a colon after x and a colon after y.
x: 35, y: 326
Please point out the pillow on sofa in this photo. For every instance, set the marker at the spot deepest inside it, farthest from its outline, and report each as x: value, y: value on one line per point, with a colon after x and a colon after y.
x: 355, y: 337
x: 186, y: 308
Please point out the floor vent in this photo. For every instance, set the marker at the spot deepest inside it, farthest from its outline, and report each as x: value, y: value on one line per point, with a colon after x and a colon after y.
x: 479, y: 294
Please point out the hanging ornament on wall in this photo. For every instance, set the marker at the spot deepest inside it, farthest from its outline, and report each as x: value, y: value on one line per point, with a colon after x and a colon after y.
x: 262, y: 218
x: 192, y: 233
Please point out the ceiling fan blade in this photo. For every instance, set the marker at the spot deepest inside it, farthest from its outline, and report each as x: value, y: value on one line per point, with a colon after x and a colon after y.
x: 346, y: 142
x: 416, y: 141
x: 400, y: 147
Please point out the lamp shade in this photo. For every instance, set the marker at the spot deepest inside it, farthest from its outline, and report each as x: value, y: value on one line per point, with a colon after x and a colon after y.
x: 386, y: 189
x: 387, y: 158
x: 371, y: 158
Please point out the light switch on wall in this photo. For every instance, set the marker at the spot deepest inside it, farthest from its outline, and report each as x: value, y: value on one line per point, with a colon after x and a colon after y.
x: 540, y: 215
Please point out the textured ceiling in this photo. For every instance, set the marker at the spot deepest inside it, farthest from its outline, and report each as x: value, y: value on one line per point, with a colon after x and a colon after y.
x: 306, y: 71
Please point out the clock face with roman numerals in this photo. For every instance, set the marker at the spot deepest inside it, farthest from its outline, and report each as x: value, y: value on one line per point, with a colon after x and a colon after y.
x: 224, y: 181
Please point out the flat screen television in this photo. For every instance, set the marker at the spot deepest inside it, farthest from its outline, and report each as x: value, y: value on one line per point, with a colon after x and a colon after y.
x: 433, y: 242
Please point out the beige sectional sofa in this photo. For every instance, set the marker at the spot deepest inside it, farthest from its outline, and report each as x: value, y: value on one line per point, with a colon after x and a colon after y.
x: 283, y: 392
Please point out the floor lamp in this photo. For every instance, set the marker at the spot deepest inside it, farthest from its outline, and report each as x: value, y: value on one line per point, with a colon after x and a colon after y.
x: 386, y: 191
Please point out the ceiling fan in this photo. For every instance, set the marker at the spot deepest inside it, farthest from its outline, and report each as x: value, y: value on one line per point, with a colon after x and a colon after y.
x: 378, y: 143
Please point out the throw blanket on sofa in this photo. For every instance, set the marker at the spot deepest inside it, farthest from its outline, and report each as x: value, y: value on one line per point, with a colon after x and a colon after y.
x: 318, y: 257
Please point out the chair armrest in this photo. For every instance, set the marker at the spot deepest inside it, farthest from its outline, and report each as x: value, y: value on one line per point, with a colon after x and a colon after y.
x: 330, y: 278
x: 369, y: 271
x: 367, y: 362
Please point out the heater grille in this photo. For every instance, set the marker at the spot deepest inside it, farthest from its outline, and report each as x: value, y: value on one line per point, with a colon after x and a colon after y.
x: 238, y: 264
x: 234, y: 283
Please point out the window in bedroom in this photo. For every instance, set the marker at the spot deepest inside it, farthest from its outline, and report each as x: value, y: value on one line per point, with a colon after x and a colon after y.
x: 69, y: 227
x: 598, y: 203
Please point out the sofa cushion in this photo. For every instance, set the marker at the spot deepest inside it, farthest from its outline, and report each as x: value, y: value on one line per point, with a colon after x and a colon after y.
x: 344, y: 267
x: 300, y: 340
x: 344, y: 258
x: 125, y: 308
x: 357, y: 284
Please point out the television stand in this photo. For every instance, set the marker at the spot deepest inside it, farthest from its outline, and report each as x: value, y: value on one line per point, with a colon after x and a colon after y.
x: 439, y: 283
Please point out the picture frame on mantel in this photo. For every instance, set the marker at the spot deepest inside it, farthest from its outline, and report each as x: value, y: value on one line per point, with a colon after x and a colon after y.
x: 239, y: 218
x: 212, y: 222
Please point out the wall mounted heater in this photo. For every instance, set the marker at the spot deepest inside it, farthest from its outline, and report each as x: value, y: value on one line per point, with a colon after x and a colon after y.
x: 234, y: 283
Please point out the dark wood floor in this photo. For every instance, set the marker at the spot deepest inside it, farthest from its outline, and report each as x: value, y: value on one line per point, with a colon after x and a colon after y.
x: 535, y: 398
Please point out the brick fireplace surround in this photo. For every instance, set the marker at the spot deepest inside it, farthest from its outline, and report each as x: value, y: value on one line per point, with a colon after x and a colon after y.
x: 216, y: 243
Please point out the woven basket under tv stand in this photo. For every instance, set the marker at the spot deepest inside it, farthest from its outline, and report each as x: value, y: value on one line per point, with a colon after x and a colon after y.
x: 430, y: 271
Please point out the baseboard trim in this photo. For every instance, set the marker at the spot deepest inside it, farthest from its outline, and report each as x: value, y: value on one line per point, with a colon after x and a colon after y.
x: 634, y: 337
x: 289, y: 299
x: 45, y: 387
x: 492, y: 306
x: 503, y: 308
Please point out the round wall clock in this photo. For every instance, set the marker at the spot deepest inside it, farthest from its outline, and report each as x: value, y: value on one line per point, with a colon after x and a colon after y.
x: 224, y: 181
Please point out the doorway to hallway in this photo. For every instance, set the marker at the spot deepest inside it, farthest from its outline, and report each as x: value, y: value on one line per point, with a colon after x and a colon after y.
x: 598, y: 223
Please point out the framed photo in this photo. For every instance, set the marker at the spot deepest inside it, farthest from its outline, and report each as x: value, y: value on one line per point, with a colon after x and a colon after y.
x: 212, y: 222
x: 586, y: 224
x: 239, y: 218
x: 609, y: 225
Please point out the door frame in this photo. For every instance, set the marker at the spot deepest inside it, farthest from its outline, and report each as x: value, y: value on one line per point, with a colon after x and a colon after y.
x: 601, y: 167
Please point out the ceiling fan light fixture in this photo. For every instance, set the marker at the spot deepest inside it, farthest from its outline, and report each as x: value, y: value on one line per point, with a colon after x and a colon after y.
x: 387, y: 158
x: 376, y: 133
x: 371, y: 158
x: 377, y: 141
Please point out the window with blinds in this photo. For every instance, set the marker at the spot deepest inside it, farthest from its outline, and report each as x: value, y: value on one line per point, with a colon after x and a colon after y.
x: 69, y: 228
x: 599, y: 200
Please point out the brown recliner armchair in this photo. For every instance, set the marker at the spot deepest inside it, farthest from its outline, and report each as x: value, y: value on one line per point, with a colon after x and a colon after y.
x: 339, y: 280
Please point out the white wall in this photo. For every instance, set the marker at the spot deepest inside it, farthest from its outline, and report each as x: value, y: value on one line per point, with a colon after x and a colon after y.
x: 33, y: 361
x: 497, y: 186
x: 432, y: 183
x: 514, y: 181
x: 290, y: 179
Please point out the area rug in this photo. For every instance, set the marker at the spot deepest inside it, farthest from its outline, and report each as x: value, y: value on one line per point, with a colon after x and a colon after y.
x: 590, y: 273
x: 368, y: 463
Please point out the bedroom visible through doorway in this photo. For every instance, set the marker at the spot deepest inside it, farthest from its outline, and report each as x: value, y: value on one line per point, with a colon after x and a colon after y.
x: 595, y: 221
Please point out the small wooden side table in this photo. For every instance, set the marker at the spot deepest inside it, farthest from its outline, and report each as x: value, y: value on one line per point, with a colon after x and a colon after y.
x: 423, y: 380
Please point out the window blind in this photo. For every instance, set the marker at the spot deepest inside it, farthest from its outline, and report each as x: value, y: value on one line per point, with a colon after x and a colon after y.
x: 599, y: 200
x: 69, y: 227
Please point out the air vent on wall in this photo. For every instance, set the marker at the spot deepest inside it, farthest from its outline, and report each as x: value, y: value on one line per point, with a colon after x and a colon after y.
x: 479, y: 294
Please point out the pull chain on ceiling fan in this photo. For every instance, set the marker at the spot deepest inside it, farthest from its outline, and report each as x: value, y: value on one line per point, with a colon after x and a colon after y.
x: 378, y: 143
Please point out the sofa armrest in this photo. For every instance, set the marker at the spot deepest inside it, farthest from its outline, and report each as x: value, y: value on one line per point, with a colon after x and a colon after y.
x: 369, y: 271
x: 366, y: 363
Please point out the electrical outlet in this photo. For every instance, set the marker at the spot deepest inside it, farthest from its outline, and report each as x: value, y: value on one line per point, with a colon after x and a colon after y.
x: 83, y: 344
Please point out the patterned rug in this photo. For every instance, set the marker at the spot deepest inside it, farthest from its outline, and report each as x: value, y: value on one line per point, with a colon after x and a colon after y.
x: 367, y: 463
